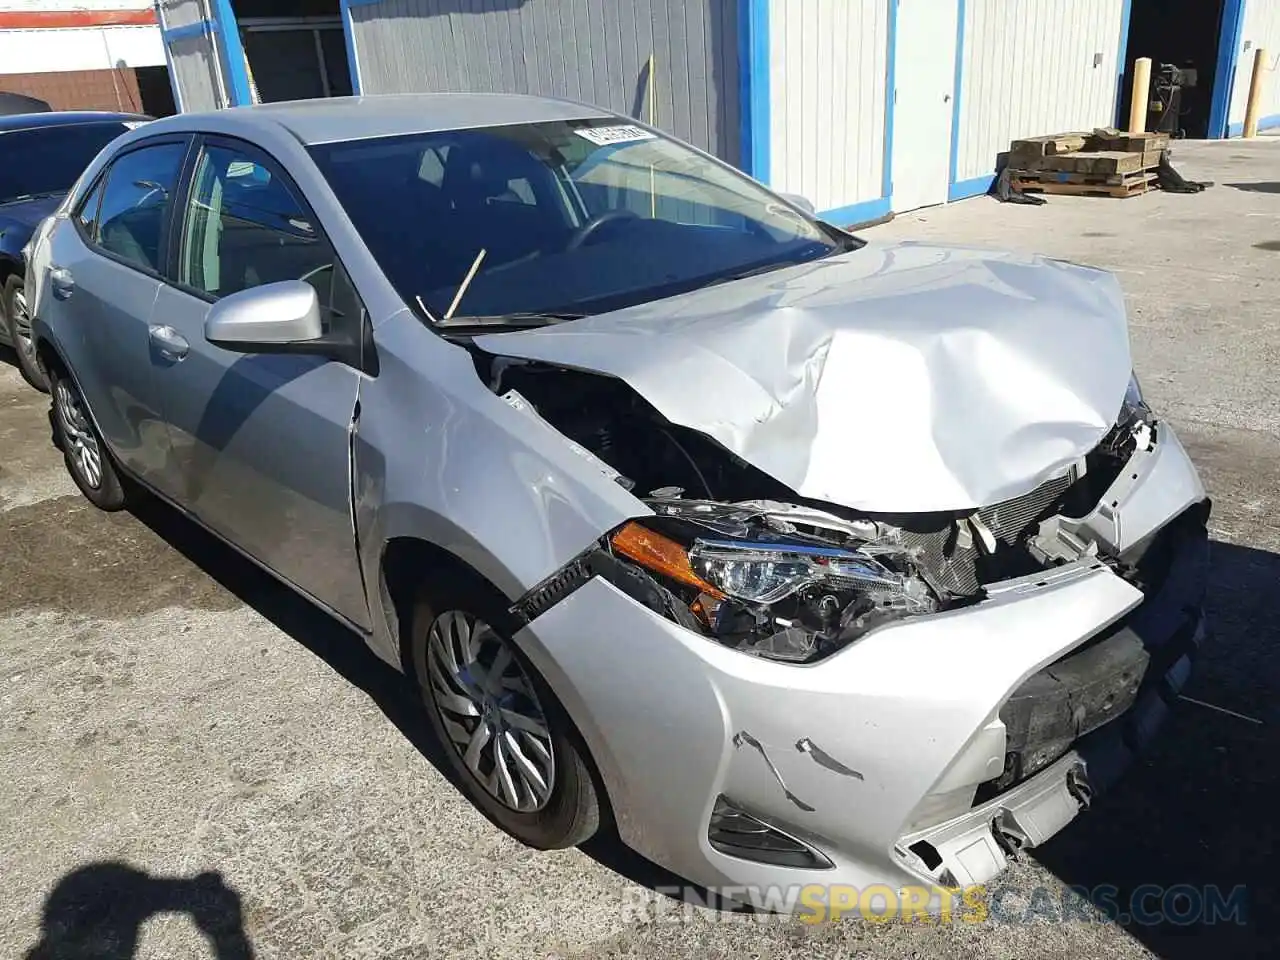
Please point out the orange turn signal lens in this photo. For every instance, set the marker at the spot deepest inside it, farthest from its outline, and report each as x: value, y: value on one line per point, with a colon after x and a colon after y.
x: 661, y: 555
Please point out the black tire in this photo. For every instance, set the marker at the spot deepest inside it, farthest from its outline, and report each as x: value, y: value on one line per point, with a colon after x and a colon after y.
x: 570, y: 815
x: 70, y: 416
x: 14, y: 298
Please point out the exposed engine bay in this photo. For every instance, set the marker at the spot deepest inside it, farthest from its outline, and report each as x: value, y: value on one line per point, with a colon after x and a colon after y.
x: 738, y: 556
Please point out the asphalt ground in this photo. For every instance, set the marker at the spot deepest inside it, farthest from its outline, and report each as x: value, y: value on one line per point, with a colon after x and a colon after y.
x: 195, y: 763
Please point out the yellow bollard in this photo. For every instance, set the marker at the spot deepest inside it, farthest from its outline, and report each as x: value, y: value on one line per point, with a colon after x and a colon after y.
x: 1141, y: 90
x: 1255, y: 93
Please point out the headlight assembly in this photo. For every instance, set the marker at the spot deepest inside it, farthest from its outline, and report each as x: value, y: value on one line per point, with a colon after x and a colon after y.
x: 782, y: 599
x: 1133, y: 393
x: 1135, y: 420
x: 769, y: 572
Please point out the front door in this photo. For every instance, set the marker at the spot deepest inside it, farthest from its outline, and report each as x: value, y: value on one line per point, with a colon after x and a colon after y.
x: 924, y: 91
x: 261, y: 442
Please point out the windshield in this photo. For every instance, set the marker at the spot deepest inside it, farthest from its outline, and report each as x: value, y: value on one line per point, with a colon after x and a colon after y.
x: 47, y: 160
x: 566, y: 217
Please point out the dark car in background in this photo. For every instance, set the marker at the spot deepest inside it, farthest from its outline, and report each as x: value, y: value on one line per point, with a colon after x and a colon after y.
x: 41, y: 157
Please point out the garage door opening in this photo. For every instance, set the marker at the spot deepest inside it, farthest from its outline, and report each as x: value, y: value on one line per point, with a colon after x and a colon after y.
x: 296, y: 48
x: 1183, y: 34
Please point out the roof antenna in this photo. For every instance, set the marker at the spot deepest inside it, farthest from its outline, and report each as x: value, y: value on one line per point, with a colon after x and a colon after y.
x: 466, y: 282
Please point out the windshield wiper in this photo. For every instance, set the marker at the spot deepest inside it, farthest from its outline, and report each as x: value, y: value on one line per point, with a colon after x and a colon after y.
x: 32, y: 196
x: 752, y: 272
x: 518, y: 319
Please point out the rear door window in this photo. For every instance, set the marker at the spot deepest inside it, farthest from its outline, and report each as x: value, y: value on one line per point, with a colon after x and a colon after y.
x: 137, y: 198
x: 87, y: 212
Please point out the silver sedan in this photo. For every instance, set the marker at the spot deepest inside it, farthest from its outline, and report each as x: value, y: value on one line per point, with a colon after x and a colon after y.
x: 793, y: 557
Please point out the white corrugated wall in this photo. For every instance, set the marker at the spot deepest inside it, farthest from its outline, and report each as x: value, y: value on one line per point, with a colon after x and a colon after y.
x: 1031, y: 68
x: 828, y: 61
x: 1261, y: 28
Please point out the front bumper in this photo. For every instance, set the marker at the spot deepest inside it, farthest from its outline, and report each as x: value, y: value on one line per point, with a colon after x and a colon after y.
x: 1167, y: 628
x: 884, y: 745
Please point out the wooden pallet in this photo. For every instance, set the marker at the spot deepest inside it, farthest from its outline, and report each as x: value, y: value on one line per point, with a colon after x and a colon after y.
x: 1055, y: 176
x: 1132, y: 188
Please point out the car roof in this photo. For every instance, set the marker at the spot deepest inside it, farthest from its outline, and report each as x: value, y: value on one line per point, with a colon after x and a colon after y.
x: 64, y: 118
x: 360, y: 118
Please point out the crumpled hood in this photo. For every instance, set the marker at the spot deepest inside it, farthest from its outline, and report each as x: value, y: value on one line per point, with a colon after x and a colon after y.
x: 899, y: 377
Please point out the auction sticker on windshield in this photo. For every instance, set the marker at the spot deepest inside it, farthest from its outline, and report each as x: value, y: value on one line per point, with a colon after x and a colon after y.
x: 603, y: 136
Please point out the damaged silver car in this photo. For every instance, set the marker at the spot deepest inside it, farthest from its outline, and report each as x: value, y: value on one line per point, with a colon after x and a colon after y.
x: 798, y: 558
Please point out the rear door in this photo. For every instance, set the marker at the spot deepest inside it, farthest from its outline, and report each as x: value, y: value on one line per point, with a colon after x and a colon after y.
x: 104, y: 274
x: 261, y: 442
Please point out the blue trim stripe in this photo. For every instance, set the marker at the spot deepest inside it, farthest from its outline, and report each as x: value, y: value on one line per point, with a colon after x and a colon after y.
x: 232, y: 54
x: 857, y: 214
x: 890, y: 85
x: 1122, y: 67
x: 754, y: 127
x: 362, y: 3
x: 349, y: 35
x: 188, y: 30
x: 958, y: 84
x: 1225, y: 73
x: 753, y: 84
x: 973, y: 187
x: 1264, y: 123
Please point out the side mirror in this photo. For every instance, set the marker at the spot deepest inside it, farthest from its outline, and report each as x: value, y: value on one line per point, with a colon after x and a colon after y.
x: 266, y: 319
x: 804, y: 203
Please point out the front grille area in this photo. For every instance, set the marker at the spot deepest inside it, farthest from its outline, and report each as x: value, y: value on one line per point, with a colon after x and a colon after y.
x: 955, y: 569
x: 1143, y: 657
x: 1010, y: 519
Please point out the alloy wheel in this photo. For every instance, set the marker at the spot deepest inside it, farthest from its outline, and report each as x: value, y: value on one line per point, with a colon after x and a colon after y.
x: 84, y: 453
x: 21, y: 327
x: 490, y: 711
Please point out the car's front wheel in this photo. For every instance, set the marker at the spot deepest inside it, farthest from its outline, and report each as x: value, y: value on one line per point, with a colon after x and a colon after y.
x: 513, y: 749
x: 19, y: 320
x: 87, y: 458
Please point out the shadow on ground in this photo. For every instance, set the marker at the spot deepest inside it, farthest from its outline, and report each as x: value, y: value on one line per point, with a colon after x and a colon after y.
x: 347, y: 654
x: 1257, y: 186
x: 324, y: 636
x: 1194, y: 814
x: 1185, y: 833
x: 98, y: 911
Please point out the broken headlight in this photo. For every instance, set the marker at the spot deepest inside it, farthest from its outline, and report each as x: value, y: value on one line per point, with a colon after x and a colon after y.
x: 1133, y: 394
x: 1133, y: 429
x: 777, y: 597
x: 769, y: 572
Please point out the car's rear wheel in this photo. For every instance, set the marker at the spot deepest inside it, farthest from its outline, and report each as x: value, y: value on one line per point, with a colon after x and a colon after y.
x: 19, y: 321
x: 87, y: 458
x: 513, y: 749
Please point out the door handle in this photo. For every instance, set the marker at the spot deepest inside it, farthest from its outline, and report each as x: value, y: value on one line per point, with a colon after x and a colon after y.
x: 169, y: 343
x: 61, y: 282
